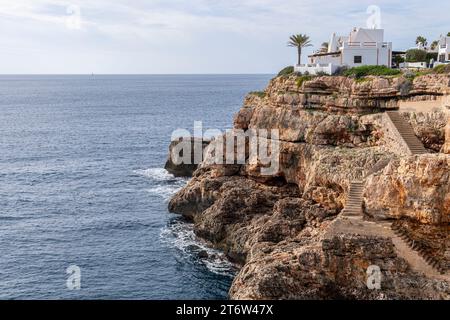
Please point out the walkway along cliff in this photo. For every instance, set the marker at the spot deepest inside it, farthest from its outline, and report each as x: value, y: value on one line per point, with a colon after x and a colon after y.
x: 363, y: 183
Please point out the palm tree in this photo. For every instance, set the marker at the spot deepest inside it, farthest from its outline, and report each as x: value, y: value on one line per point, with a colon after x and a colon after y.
x: 299, y: 41
x: 421, y: 40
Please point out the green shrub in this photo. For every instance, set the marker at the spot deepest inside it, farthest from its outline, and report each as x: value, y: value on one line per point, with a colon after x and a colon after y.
x: 411, y: 75
x: 363, y: 79
x: 321, y: 74
x: 340, y: 71
x: 431, y: 55
x: 398, y: 59
x: 442, y: 68
x: 302, y: 79
x: 363, y: 71
x: 260, y: 94
x: 286, y: 71
x: 416, y: 55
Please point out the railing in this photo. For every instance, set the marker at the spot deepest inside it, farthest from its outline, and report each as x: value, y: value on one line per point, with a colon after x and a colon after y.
x: 315, y: 68
x: 367, y: 44
x: 313, y: 65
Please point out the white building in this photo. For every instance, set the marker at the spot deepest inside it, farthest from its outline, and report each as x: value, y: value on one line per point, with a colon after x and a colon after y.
x: 361, y: 47
x: 444, y: 49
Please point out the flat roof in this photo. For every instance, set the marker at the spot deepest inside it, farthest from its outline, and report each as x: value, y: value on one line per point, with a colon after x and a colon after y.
x: 325, y: 54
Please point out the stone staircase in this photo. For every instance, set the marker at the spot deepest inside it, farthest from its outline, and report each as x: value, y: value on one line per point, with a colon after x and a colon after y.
x: 353, y: 206
x: 426, y: 256
x: 405, y: 130
x: 408, y: 250
x: 416, y: 256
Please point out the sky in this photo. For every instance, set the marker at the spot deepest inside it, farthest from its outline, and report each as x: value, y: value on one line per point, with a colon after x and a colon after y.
x: 191, y: 36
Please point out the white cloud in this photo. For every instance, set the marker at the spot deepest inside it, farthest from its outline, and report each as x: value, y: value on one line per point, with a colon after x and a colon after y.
x: 189, y: 36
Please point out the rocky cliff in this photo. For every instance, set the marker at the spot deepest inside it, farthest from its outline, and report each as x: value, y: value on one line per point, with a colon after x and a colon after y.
x: 287, y: 230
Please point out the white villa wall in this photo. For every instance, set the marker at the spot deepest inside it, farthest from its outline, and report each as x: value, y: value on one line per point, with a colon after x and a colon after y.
x: 367, y: 43
x: 367, y: 35
x: 379, y: 55
x: 369, y: 56
x: 314, y: 69
x: 334, y: 59
x: 414, y: 65
x: 444, y: 49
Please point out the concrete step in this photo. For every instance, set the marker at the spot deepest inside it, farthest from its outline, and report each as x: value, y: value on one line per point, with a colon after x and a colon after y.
x: 426, y: 257
x: 353, y: 206
x: 407, y: 133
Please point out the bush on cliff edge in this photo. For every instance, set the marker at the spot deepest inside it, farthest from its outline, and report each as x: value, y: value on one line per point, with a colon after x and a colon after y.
x: 363, y: 71
x: 442, y: 68
x: 286, y: 71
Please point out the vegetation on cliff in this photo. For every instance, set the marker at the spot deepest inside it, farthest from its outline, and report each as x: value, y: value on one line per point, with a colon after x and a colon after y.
x: 364, y: 71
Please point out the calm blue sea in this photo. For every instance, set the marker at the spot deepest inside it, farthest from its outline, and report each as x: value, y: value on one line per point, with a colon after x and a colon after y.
x: 81, y: 183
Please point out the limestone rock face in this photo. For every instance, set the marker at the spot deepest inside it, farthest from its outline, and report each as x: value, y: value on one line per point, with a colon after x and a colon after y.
x: 344, y: 94
x: 279, y: 238
x: 429, y: 127
x: 446, y: 147
x: 297, y: 125
x: 414, y: 187
x: 181, y: 168
x: 277, y: 227
x: 331, y: 269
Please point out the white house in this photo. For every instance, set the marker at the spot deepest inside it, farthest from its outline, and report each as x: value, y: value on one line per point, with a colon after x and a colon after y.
x: 361, y: 47
x: 444, y: 49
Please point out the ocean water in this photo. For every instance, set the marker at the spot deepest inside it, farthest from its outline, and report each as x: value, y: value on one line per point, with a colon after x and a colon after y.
x: 82, y: 183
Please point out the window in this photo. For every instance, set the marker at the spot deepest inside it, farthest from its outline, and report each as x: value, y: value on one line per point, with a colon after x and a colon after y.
x: 358, y: 59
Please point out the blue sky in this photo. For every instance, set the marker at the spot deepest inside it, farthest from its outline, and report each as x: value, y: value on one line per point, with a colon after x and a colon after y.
x: 190, y: 36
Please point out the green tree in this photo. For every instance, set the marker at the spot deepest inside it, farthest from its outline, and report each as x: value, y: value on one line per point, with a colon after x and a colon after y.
x: 416, y: 55
x: 448, y: 34
x: 299, y: 41
x: 324, y: 47
x: 434, y: 44
x: 421, y: 40
x: 398, y: 59
x: 431, y: 55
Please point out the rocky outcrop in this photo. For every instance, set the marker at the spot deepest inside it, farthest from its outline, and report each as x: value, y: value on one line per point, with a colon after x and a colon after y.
x: 330, y: 134
x: 343, y: 94
x: 333, y: 268
x: 429, y: 127
x: 414, y: 187
x: 174, y: 163
x: 446, y: 146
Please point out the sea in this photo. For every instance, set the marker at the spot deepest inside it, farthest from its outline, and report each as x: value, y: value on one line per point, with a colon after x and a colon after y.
x: 84, y: 193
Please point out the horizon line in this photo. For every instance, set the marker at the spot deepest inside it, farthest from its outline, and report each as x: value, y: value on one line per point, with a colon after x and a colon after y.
x: 130, y: 74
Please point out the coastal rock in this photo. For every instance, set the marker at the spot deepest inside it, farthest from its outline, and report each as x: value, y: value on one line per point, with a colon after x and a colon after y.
x: 298, y: 125
x: 429, y: 127
x: 414, y: 187
x: 343, y: 94
x: 175, y: 164
x: 446, y: 146
x: 281, y: 227
x: 334, y: 268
